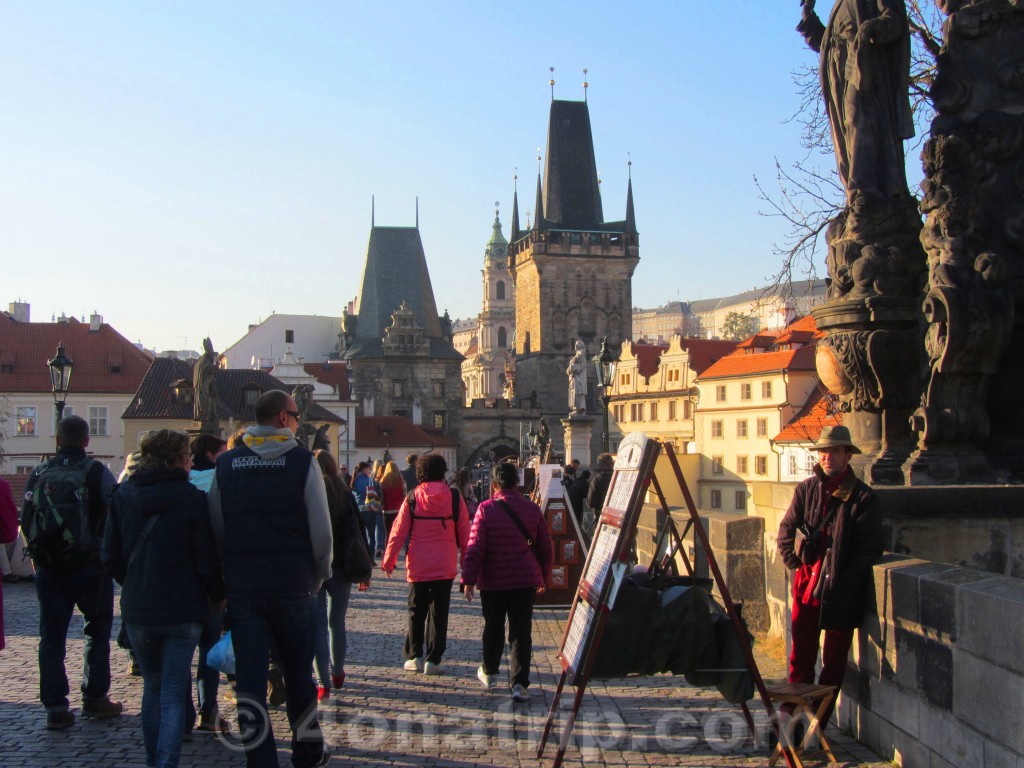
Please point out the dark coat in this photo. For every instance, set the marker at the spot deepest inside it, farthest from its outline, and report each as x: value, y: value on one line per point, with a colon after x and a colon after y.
x: 176, y: 573
x: 598, y: 488
x: 857, y: 544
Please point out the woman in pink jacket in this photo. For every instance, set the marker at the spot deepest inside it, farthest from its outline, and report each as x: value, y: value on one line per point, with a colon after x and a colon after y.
x: 8, y: 533
x: 436, y: 525
x: 509, y: 558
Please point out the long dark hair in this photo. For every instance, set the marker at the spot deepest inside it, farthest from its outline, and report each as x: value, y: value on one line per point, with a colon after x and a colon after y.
x: 333, y: 481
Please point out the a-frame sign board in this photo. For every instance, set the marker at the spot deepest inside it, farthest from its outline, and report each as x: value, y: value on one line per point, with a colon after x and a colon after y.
x: 605, y: 568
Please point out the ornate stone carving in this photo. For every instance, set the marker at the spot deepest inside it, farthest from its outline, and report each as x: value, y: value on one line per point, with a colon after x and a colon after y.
x: 973, y: 198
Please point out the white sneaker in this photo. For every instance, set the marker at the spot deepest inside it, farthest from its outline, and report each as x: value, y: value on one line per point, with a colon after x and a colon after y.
x: 430, y: 668
x: 489, y: 681
x: 519, y: 693
x: 413, y: 665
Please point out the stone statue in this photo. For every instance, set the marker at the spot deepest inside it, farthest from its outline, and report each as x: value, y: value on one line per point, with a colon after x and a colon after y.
x: 543, y: 438
x: 509, y: 386
x: 577, y: 373
x: 303, y: 397
x: 320, y: 441
x: 349, y: 324
x: 204, y: 385
x: 865, y: 79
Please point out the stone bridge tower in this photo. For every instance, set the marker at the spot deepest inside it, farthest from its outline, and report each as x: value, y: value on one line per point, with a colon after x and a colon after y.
x: 572, y: 269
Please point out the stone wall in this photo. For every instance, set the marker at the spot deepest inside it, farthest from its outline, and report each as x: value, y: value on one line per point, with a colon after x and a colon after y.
x: 937, y: 676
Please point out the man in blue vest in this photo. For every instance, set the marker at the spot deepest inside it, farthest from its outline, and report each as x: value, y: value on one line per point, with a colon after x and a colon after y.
x: 268, y: 506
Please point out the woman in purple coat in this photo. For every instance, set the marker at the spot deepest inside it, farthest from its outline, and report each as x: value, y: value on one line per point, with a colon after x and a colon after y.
x: 509, y: 559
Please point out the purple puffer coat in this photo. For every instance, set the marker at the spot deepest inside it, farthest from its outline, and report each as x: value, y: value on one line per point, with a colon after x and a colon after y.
x: 498, y: 556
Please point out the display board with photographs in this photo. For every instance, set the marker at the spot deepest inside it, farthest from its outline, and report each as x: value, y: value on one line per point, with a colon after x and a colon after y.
x: 616, y: 526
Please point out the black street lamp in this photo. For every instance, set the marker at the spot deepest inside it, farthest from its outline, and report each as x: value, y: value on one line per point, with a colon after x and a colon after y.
x: 605, y: 361
x: 60, y: 378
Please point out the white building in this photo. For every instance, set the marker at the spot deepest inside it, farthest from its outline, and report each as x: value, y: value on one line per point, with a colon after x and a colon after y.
x: 309, y: 338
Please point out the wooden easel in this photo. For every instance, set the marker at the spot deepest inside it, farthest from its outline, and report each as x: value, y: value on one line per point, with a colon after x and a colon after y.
x: 605, y: 568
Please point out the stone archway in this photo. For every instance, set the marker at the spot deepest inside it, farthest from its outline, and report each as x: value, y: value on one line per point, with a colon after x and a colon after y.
x: 493, y: 450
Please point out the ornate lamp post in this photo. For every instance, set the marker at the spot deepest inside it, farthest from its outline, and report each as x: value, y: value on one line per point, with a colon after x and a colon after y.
x: 60, y: 378
x: 605, y: 361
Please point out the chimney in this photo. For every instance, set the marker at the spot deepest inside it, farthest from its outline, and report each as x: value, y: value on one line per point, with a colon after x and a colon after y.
x: 19, y: 311
x: 95, y: 321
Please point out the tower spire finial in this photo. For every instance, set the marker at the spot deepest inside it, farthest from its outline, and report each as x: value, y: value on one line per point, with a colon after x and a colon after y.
x: 552, y: 83
x: 585, y: 85
x: 629, y: 165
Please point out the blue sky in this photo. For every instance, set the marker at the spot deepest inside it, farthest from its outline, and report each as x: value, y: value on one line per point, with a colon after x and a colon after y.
x: 187, y: 168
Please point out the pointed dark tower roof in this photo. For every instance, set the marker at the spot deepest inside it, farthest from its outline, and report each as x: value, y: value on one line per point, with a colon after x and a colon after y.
x: 630, y: 215
x: 572, y: 197
x: 514, y: 231
x: 538, y: 213
x: 396, y: 272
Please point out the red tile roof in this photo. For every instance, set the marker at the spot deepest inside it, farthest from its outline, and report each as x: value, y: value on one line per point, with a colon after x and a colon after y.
x: 648, y: 356
x: 739, y: 364
x: 155, y: 399
x: 386, y: 431
x: 704, y: 352
x: 25, y: 349
x: 333, y: 374
x: 761, y: 340
x: 819, y: 412
x: 802, y: 331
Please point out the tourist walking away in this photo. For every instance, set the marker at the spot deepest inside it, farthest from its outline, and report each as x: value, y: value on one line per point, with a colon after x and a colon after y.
x: 8, y: 533
x: 62, y: 519
x: 361, y: 487
x: 352, y: 564
x: 434, y: 520
x: 509, y: 559
x: 159, y: 547
x: 375, y: 501
x: 599, y: 482
x: 409, y: 473
x: 205, y: 450
x: 268, y: 507
x: 392, y: 493
x: 830, y: 535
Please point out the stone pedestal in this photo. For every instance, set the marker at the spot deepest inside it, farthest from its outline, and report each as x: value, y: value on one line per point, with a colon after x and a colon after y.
x: 578, y: 431
x: 872, y: 359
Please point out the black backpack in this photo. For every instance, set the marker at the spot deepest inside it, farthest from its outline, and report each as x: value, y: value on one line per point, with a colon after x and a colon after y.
x: 55, y: 514
x: 410, y: 499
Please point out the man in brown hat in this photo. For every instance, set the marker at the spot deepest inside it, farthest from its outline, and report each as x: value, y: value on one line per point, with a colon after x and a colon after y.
x: 831, y: 535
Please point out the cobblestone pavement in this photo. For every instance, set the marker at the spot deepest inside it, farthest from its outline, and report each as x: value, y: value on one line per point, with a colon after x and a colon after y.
x: 385, y: 716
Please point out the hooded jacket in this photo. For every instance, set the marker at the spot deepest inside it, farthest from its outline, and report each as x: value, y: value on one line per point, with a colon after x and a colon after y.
x: 857, y: 543
x: 175, y: 574
x: 437, y: 545
x: 271, y: 522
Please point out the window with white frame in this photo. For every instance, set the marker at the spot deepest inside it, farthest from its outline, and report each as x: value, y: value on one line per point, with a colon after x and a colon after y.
x: 671, y: 410
x: 25, y: 416
x: 741, y: 428
x: 762, y: 427
x: 745, y: 391
x: 717, y: 463
x: 741, y: 500
x: 98, y: 420
x: 716, y: 428
x: 741, y: 465
x: 760, y: 465
x: 716, y: 499
x: 654, y: 411
x: 69, y: 410
x: 766, y: 390
x: 720, y: 393
x: 794, y: 467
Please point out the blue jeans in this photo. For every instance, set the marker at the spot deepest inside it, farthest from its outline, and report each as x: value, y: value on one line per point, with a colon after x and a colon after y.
x: 59, y: 592
x: 382, y: 535
x: 291, y: 624
x: 331, y: 637
x: 368, y: 525
x: 164, y: 652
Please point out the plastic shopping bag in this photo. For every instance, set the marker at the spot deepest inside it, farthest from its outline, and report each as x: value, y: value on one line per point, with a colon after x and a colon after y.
x: 222, y: 655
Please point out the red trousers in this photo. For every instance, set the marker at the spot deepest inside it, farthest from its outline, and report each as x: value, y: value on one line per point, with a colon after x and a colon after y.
x: 806, y: 634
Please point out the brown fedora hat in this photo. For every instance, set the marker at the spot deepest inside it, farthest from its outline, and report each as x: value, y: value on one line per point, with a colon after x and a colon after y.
x: 835, y: 437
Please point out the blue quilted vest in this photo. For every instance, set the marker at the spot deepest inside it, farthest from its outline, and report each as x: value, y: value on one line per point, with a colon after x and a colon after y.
x: 267, y: 547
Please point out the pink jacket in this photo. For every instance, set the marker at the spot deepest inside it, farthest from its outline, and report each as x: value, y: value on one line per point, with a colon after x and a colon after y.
x: 8, y: 533
x: 436, y: 546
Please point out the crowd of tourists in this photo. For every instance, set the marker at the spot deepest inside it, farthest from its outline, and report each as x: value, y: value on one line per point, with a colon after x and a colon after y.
x: 256, y: 543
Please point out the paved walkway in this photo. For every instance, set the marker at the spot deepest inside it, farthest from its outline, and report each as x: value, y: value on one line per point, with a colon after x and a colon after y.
x: 385, y: 716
